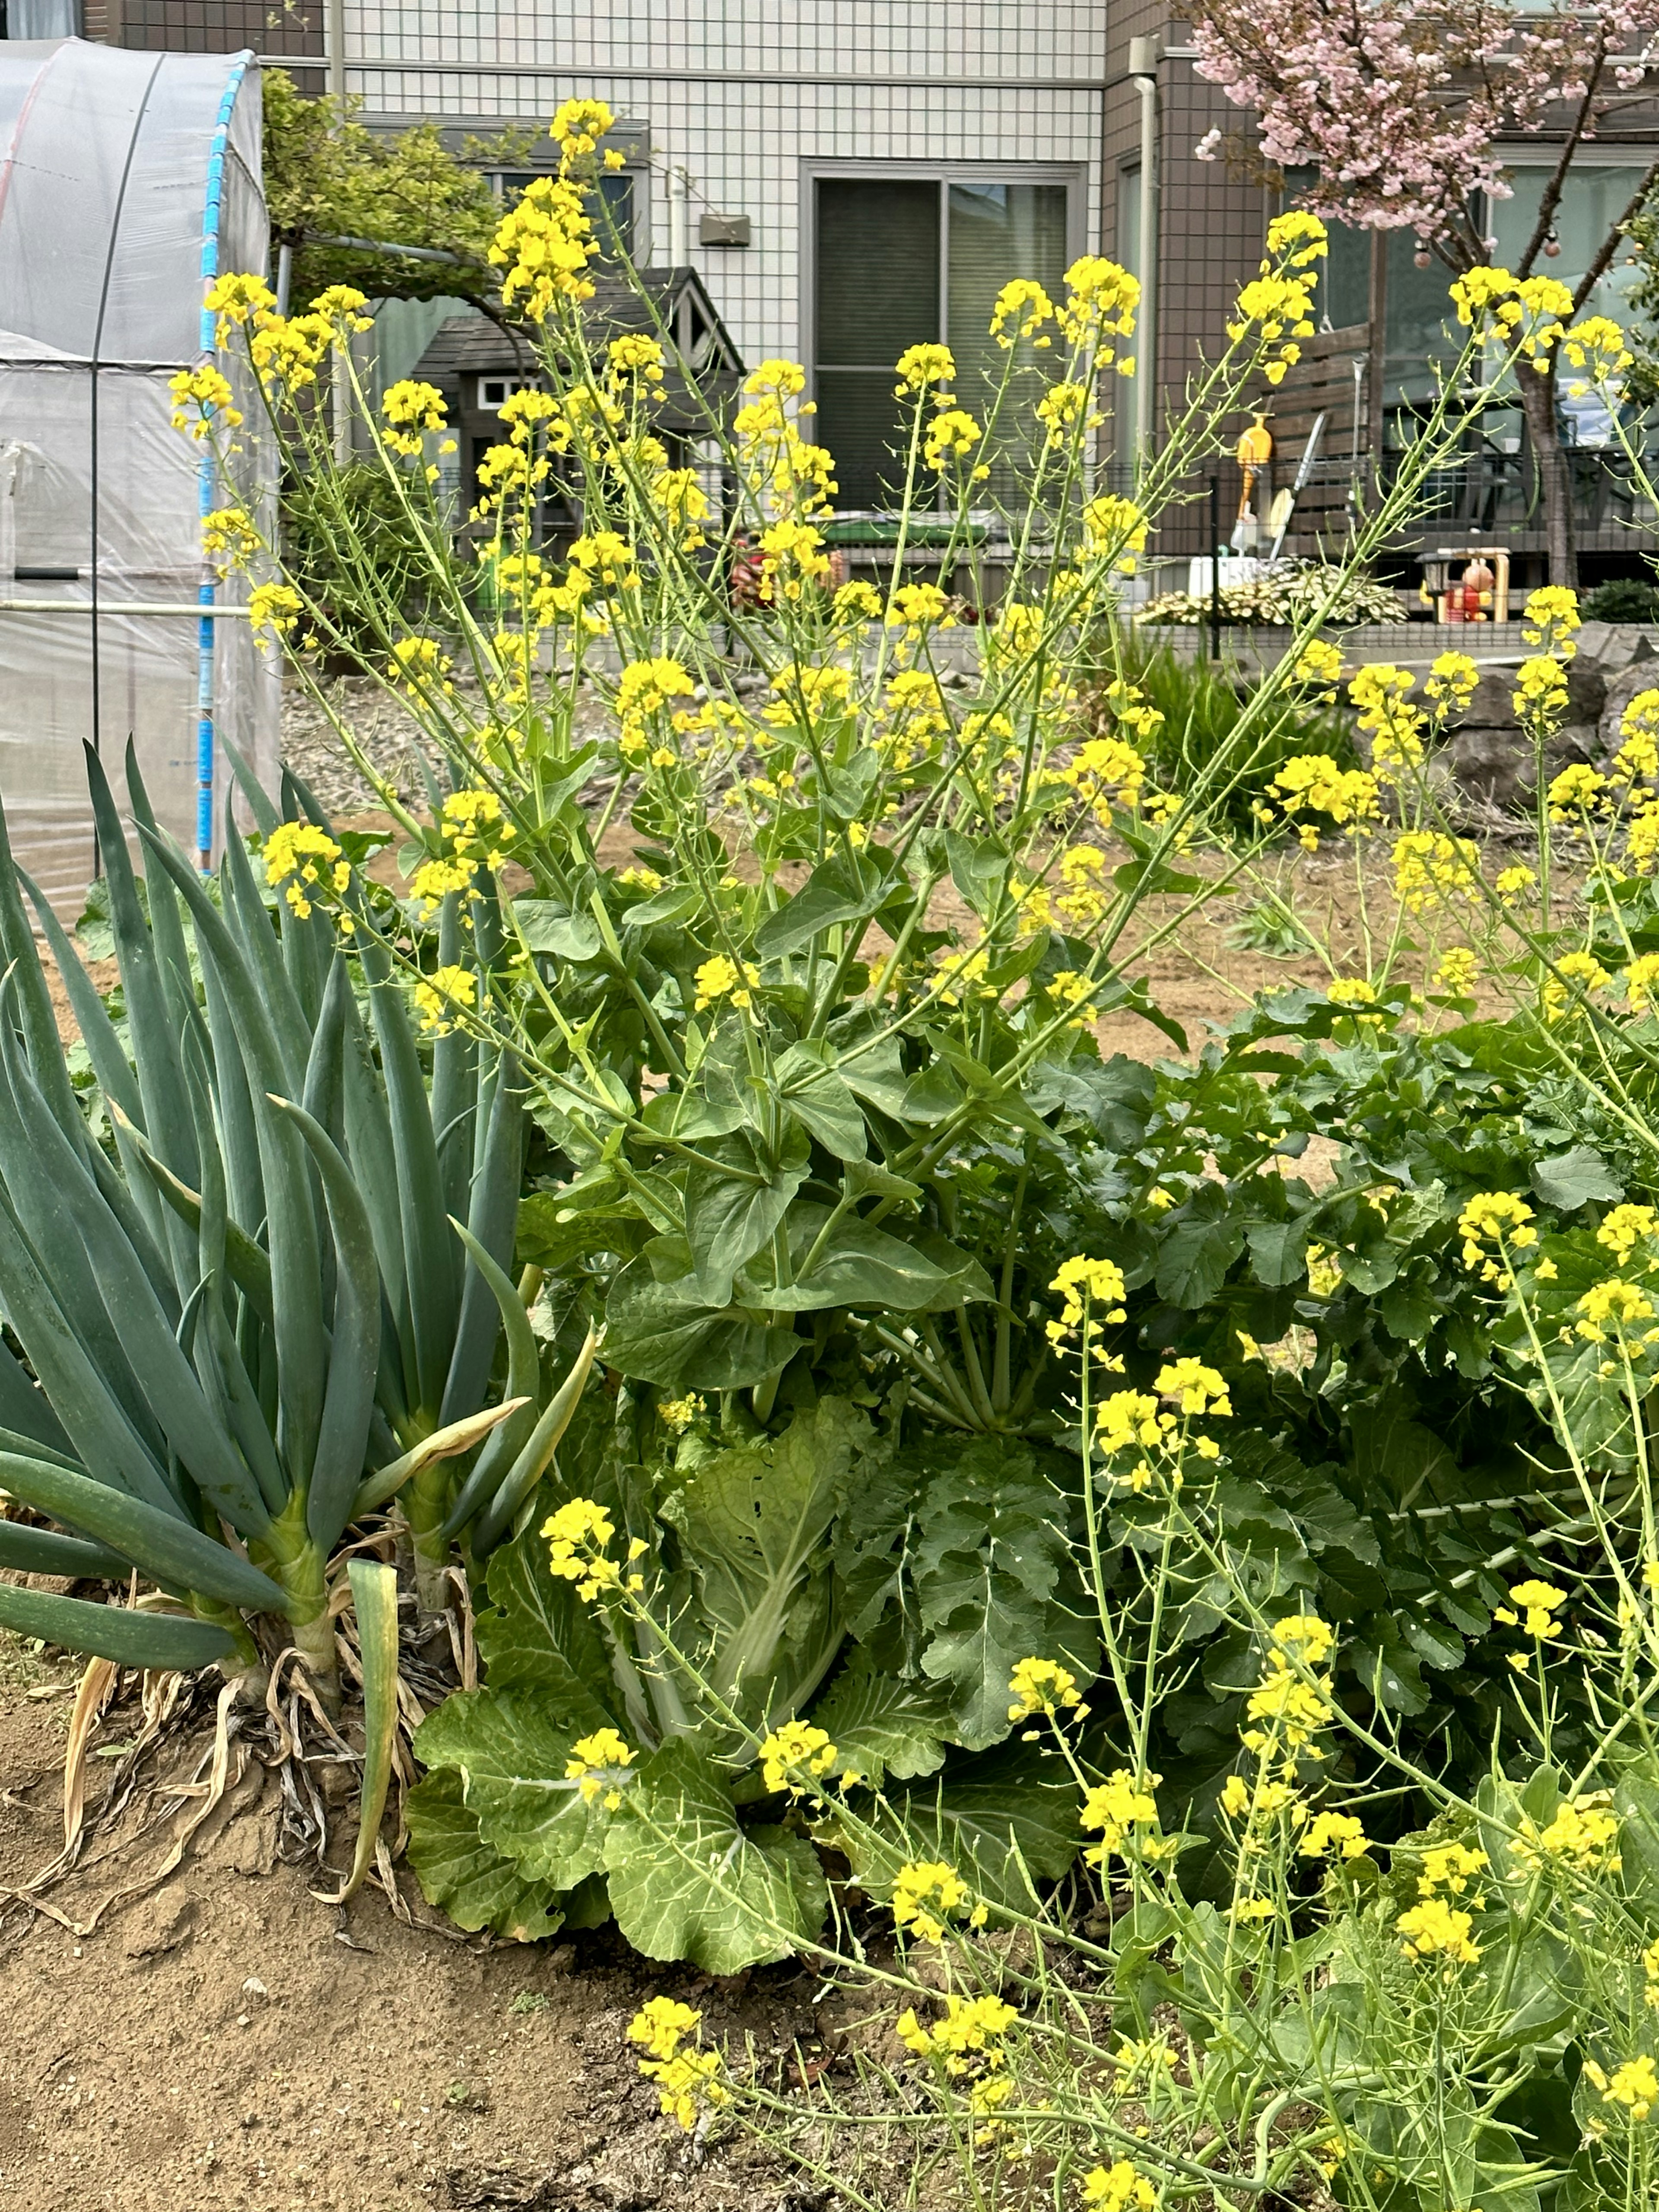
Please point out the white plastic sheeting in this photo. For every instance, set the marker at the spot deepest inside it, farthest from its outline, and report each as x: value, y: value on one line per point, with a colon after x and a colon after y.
x: 127, y: 181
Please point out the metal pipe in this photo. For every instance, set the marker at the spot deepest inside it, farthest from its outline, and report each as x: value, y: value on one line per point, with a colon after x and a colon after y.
x: 111, y: 608
x: 1143, y: 65
x: 679, y: 209
x: 340, y: 381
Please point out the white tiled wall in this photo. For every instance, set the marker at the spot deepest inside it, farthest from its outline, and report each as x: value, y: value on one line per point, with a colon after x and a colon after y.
x: 740, y: 91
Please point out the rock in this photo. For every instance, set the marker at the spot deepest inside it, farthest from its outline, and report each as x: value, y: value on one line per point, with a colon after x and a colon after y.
x: 1491, y: 703
x: 1638, y: 675
x: 160, y: 1924
x: 1495, y: 766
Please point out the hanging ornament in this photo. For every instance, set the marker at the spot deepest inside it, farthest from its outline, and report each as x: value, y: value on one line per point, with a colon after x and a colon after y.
x: 1552, y: 248
x: 1422, y: 257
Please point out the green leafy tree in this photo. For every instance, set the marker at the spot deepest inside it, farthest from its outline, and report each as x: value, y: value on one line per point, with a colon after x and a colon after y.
x: 329, y: 178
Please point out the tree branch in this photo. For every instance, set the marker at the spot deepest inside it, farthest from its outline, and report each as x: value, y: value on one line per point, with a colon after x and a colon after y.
x: 1552, y: 197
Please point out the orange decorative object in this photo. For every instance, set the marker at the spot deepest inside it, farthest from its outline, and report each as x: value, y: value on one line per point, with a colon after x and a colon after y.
x: 1255, y: 450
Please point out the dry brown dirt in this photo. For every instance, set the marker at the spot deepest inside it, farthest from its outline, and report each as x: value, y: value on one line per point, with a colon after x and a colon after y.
x: 226, y: 2040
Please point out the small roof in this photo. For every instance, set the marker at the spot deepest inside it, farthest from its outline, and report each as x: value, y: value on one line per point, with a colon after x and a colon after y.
x: 673, y: 300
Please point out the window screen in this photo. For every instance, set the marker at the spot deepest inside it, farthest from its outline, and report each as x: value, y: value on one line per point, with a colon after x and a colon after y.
x: 878, y: 244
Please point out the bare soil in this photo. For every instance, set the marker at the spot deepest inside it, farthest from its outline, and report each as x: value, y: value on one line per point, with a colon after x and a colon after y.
x: 226, y: 2040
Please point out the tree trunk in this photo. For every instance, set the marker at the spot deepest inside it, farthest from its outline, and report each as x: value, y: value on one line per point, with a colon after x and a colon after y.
x: 1538, y: 404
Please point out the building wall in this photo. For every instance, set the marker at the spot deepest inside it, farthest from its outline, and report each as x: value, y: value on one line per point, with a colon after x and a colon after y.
x: 743, y: 93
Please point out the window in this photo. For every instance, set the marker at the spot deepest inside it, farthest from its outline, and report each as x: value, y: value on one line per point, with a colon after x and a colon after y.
x: 1343, y: 296
x: 909, y: 260
x: 494, y: 392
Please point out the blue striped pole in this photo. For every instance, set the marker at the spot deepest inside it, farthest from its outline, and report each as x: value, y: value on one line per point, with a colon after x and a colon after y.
x: 206, y: 485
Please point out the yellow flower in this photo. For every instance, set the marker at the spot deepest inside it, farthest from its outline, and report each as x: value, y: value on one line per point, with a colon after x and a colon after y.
x: 1596, y: 344
x: 920, y: 366
x: 1494, y: 1217
x: 950, y: 436
x: 593, y: 1762
x: 1306, y: 1634
x: 1540, y: 697
x: 1427, y: 863
x: 1539, y: 1602
x: 1042, y: 1686
x: 204, y: 390
x: 579, y: 125
x: 1583, y: 969
x: 1319, y: 663
x: 1200, y: 1389
x: 678, y: 1414
x: 856, y: 602
x: 1116, y: 1808
x: 275, y: 607
x: 1452, y: 679
x: 1625, y: 1228
x: 1614, y: 1300
x: 1575, y: 791
x: 720, y: 978
x: 1313, y: 782
x: 1395, y: 728
x: 1114, y: 530
x: 685, y: 2079
x: 1509, y: 883
x: 419, y: 665
x: 1097, y: 1282
x: 1449, y: 1867
x: 1554, y: 607
x: 299, y: 858
x: 1020, y: 310
x: 578, y: 1533
x: 794, y: 1746
x: 1635, y: 2085
x: 1100, y: 304
x: 1582, y: 1835
x: 235, y: 300
x: 441, y: 995
x: 1118, y: 2188
x: 1435, y: 1930
x: 228, y: 538
x: 972, y: 2026
x: 1332, y: 1832
x: 410, y: 409
x: 1458, y: 972
x: 929, y: 1894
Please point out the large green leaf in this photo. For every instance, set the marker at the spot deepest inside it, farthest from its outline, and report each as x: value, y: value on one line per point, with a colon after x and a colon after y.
x: 812, y: 1091
x: 476, y: 1885
x: 111, y: 1632
x: 653, y: 1334
x: 732, y: 1210
x: 848, y: 887
x: 883, y: 1725
x: 687, y: 1881
x: 859, y: 1266
x: 535, y: 1634
x: 988, y: 1560
x: 753, y: 1523
x: 1000, y: 1821
x: 510, y: 1748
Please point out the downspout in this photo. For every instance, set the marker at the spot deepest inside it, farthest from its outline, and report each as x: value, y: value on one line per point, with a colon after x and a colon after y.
x: 1143, y: 68
x: 679, y: 212
x: 340, y: 384
x: 206, y: 477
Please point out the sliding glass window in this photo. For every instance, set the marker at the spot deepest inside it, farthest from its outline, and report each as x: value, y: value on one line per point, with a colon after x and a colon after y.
x: 909, y: 260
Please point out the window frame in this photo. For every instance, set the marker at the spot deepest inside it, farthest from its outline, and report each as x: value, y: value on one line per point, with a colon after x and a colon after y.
x: 1074, y: 175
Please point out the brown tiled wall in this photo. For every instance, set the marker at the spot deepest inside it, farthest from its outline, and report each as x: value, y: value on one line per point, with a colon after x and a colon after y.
x: 212, y: 27
x: 1210, y: 223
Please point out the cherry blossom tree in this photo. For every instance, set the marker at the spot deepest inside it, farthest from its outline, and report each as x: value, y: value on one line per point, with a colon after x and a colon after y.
x: 1397, y: 105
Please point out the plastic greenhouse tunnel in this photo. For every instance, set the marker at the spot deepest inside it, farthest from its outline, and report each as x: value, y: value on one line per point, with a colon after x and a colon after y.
x: 128, y: 180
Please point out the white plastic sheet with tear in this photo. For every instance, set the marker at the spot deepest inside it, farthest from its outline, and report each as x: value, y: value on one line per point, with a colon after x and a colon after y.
x: 127, y: 181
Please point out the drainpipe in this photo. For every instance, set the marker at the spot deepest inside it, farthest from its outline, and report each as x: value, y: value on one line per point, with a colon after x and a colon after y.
x: 680, y: 212
x: 340, y: 387
x: 1144, y: 58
